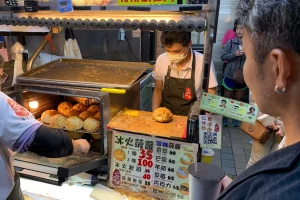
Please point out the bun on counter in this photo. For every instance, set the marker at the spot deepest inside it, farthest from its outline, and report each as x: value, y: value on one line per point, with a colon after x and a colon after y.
x: 58, y: 121
x: 64, y: 106
x: 162, y: 115
x: 97, y: 116
x: 91, y: 125
x: 70, y: 112
x: 74, y: 123
x: 86, y: 114
x: 47, y: 115
x: 94, y: 109
x: 80, y: 107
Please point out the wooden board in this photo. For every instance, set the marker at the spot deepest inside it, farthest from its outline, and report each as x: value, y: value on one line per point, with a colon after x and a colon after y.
x: 143, y: 123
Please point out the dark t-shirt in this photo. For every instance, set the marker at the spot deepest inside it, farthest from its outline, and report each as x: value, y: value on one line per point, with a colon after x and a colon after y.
x: 275, y: 177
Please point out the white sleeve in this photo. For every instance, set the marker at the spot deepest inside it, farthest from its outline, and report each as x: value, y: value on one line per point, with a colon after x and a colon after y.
x: 14, y: 120
x: 212, y: 77
x: 157, y: 73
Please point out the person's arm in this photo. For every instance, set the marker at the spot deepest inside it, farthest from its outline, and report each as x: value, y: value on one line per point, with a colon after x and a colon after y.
x: 158, y: 75
x: 19, y: 131
x: 213, y: 90
x: 157, y: 94
x: 49, y: 142
x: 213, y: 83
x: 54, y: 143
x: 227, y: 54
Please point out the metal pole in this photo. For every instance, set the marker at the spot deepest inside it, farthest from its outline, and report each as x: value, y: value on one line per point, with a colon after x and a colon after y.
x: 38, y: 51
x: 207, y: 55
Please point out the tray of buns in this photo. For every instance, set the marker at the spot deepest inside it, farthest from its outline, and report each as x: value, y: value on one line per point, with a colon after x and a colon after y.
x: 86, y: 73
x: 73, y: 118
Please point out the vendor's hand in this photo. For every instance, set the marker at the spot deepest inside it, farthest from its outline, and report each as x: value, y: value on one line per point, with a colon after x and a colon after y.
x: 225, y: 182
x: 239, y: 53
x: 81, y: 146
x: 1, y: 72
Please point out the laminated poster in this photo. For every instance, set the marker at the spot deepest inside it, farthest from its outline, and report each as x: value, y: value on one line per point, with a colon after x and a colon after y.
x: 230, y: 108
x: 210, y: 131
x: 155, y: 166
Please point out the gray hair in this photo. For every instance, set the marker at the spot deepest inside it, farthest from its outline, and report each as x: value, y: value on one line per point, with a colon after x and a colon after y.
x: 271, y: 24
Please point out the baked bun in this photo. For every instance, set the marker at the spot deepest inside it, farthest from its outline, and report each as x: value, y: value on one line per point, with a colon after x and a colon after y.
x: 64, y: 106
x: 80, y: 107
x: 86, y: 114
x: 74, y: 123
x: 162, y: 115
x: 70, y: 112
x: 97, y: 116
x: 91, y: 125
x: 94, y: 109
x: 58, y: 121
x: 47, y: 115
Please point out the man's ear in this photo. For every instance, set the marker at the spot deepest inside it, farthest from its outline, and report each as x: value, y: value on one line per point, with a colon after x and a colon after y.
x: 282, y: 67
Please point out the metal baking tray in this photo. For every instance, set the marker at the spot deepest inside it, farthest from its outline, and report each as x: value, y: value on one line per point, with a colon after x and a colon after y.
x: 86, y: 73
x: 78, y: 131
x: 68, y: 161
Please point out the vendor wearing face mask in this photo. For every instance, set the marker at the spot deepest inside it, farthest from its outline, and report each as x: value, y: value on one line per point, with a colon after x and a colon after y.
x: 177, y: 74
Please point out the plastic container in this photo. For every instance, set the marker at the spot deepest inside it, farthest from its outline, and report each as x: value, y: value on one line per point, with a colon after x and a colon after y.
x: 207, y: 155
x: 205, y: 181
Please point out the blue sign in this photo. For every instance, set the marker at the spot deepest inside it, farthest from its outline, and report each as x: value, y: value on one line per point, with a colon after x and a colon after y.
x: 65, y: 6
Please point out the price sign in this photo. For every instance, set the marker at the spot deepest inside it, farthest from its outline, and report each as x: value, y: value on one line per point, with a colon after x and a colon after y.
x: 157, y: 167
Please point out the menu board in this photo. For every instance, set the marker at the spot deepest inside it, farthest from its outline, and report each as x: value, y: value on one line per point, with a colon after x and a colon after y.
x: 230, y: 108
x: 210, y: 131
x: 155, y: 166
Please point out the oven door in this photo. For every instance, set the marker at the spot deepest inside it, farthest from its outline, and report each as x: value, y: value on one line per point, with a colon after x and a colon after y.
x: 57, y: 170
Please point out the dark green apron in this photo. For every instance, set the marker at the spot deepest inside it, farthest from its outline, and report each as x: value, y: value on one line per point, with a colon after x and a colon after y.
x: 178, y: 94
x: 16, y: 193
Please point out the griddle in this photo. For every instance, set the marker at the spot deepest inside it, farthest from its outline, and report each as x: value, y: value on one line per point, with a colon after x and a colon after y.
x: 86, y: 73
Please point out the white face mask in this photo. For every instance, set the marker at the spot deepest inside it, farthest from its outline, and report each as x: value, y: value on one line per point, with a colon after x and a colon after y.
x: 176, y: 58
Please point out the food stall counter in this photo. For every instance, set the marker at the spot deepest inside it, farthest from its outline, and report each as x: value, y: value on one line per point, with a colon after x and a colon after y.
x: 43, y: 191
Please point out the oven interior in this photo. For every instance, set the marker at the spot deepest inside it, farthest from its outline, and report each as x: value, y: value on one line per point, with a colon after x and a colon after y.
x: 32, y: 165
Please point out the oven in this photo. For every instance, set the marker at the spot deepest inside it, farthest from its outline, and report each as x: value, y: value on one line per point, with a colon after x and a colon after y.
x: 110, y: 85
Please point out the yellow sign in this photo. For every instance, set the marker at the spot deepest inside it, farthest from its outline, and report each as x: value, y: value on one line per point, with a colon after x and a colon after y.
x: 146, y: 2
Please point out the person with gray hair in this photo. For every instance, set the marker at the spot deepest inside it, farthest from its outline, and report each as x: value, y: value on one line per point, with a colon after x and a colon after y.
x: 272, y: 72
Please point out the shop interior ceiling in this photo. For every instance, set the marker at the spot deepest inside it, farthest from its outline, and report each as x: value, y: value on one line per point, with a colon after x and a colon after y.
x: 167, y: 17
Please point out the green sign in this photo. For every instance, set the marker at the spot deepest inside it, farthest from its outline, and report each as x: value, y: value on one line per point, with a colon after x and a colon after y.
x: 230, y: 108
x: 145, y: 2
